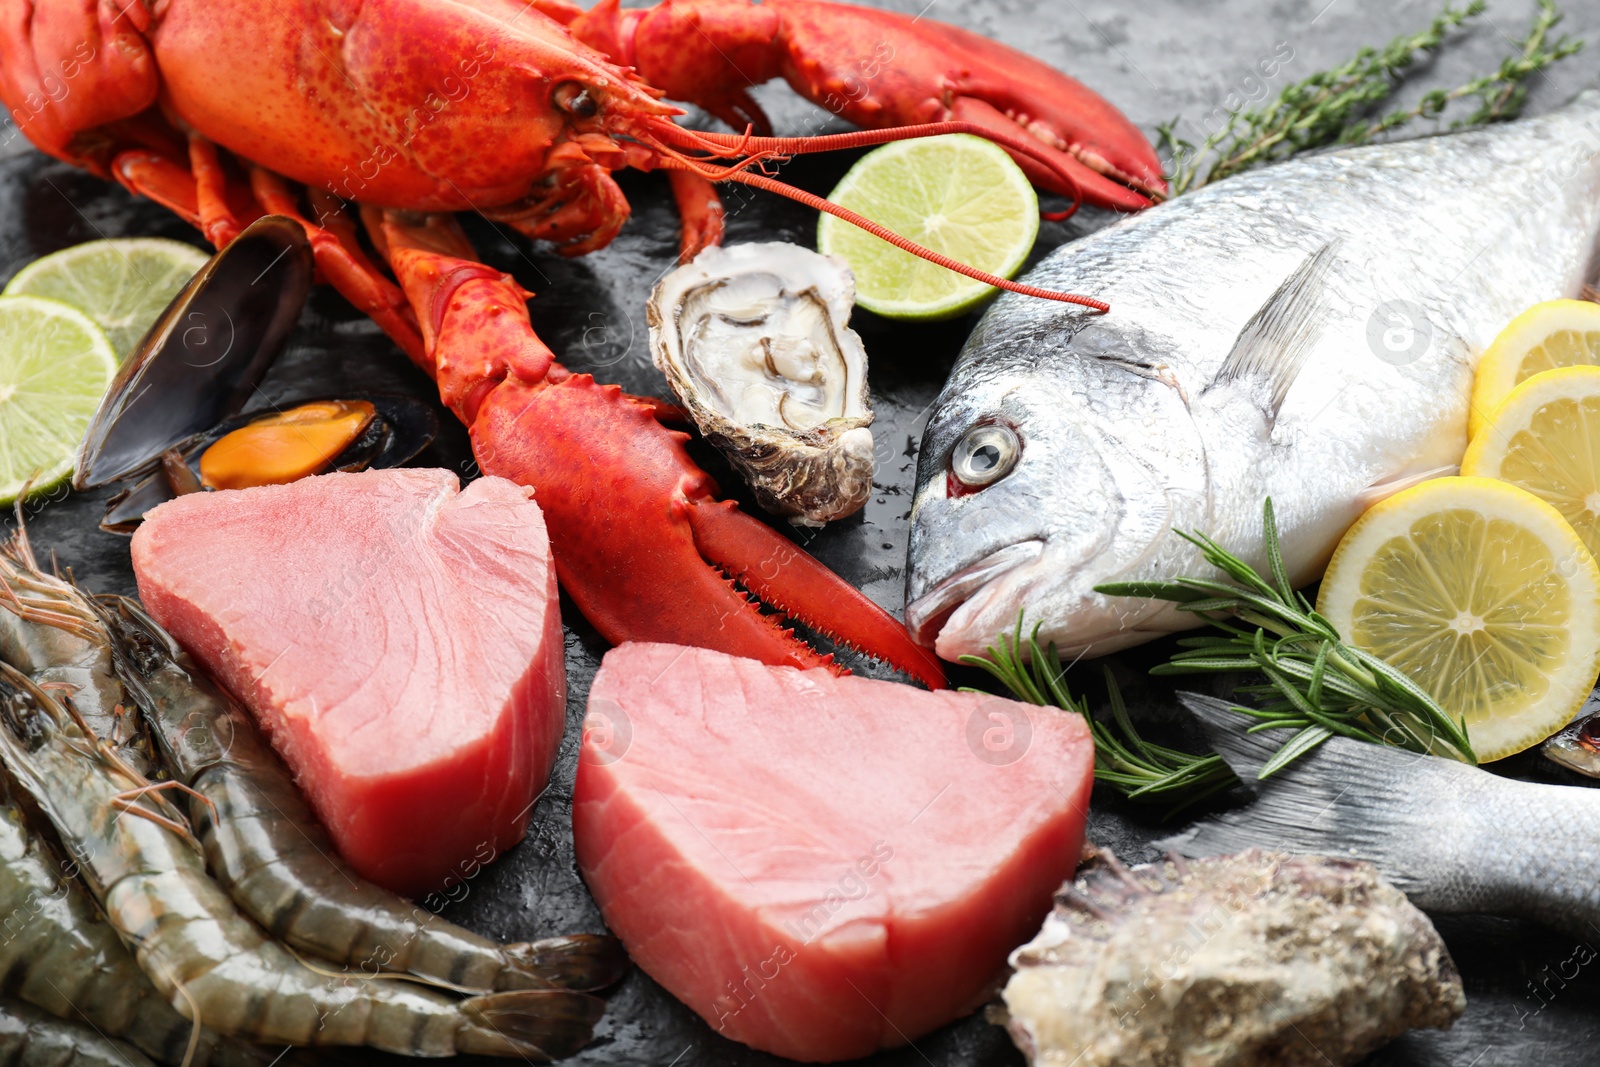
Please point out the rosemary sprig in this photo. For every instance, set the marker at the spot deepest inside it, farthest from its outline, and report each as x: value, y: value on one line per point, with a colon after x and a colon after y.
x: 1335, y: 106
x: 1315, y: 683
x: 1139, y: 769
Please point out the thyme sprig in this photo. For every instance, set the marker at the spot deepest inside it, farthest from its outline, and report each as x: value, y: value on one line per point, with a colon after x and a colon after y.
x: 1336, y: 106
x: 1139, y: 769
x: 1316, y: 684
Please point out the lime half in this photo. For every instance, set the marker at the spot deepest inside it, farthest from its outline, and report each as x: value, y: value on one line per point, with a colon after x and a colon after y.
x: 122, y: 284
x: 55, y: 365
x: 956, y: 194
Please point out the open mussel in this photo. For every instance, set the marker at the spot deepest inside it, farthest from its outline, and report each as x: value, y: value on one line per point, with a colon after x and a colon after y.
x: 281, y: 445
x: 171, y: 423
x: 205, y: 355
x: 755, y: 340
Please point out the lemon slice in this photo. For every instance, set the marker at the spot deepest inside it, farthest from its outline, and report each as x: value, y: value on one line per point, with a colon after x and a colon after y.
x: 1559, y: 333
x: 956, y: 194
x: 123, y: 284
x: 1484, y: 596
x: 55, y: 365
x: 1545, y: 438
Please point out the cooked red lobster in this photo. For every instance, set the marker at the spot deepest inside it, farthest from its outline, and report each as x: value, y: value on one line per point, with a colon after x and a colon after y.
x: 521, y: 110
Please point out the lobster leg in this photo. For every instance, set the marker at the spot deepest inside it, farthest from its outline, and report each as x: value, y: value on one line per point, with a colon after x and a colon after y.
x: 217, y: 220
x: 200, y: 193
x: 145, y: 172
x: 331, y: 215
x: 580, y: 207
x: 641, y: 544
x: 347, y: 269
x: 879, y: 69
x: 700, y: 211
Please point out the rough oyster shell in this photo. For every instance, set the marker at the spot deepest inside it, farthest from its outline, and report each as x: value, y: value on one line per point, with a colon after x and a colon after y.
x: 754, y: 340
x: 1255, y: 958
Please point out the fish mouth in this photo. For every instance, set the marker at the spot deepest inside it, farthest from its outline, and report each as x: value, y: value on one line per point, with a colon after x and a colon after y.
x: 926, y: 615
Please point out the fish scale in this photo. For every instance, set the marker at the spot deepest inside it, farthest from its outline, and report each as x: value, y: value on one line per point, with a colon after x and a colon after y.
x: 1228, y: 370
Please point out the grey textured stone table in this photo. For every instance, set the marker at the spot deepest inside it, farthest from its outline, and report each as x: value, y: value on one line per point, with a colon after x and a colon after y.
x: 1156, y: 60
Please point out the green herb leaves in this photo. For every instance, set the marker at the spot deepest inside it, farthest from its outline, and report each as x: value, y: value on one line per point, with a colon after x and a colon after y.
x: 1315, y: 683
x: 1135, y: 767
x: 1336, y: 106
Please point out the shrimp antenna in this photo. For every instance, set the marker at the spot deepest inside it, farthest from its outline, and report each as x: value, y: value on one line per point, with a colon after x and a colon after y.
x: 19, y: 540
x: 196, y: 1022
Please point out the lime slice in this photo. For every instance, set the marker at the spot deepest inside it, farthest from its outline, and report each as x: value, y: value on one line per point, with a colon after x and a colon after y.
x: 55, y: 365
x: 957, y: 194
x: 122, y: 284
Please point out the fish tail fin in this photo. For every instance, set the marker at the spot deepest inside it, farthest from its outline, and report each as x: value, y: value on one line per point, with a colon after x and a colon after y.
x: 1346, y: 798
x: 585, y: 962
x: 540, y: 1025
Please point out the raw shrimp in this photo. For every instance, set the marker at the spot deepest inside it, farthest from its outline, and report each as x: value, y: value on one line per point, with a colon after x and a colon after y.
x: 33, y: 1038
x: 266, y: 847
x: 210, y: 962
x: 49, y: 633
x: 58, y: 955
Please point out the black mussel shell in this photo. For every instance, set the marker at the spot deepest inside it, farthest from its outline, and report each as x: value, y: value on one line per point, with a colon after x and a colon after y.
x: 126, y: 510
x: 204, y: 357
x: 401, y: 428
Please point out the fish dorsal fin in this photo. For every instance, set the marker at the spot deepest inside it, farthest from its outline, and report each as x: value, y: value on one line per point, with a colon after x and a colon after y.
x: 1274, y: 344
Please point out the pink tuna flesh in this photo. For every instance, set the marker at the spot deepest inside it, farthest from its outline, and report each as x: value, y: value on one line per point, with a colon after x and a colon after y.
x: 821, y: 866
x: 399, y: 639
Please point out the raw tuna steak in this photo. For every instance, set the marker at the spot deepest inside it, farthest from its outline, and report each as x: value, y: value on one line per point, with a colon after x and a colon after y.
x: 398, y: 637
x: 821, y: 866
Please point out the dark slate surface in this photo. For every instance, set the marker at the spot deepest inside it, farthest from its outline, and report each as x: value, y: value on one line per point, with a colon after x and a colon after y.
x: 1157, y: 59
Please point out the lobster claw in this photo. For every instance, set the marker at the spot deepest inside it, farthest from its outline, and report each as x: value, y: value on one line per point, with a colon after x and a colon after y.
x: 780, y: 573
x: 647, y: 552
x: 879, y: 69
x: 882, y: 68
x: 641, y: 544
x: 1111, y: 172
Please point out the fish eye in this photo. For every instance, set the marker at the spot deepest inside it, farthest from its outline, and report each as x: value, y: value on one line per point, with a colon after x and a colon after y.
x: 575, y: 99
x: 985, y: 454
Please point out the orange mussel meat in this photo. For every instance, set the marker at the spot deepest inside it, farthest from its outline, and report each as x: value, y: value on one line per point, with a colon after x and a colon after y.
x: 285, y: 446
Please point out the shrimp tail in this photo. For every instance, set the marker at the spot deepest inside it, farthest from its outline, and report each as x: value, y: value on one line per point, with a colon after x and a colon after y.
x: 584, y: 962
x: 540, y: 1024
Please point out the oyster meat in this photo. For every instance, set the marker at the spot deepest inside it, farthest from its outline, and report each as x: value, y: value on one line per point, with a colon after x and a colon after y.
x: 755, y: 341
x: 1255, y: 958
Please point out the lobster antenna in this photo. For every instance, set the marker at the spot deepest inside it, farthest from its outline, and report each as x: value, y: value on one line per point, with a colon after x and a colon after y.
x: 728, y: 145
x: 811, y: 200
x: 758, y: 148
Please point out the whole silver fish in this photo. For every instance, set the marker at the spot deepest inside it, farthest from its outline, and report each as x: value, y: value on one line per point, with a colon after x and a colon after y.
x: 1452, y: 837
x: 1306, y: 332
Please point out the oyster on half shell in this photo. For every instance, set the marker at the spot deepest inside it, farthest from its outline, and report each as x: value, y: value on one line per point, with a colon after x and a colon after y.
x: 755, y: 341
